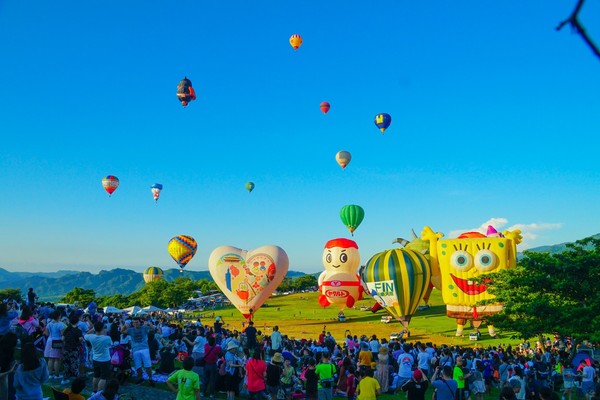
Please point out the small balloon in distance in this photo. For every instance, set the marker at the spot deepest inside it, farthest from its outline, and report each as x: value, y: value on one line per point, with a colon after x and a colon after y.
x: 343, y: 158
x: 325, y: 106
x: 296, y: 41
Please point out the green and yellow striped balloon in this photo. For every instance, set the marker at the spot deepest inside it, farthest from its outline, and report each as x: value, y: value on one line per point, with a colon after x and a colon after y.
x: 397, y: 279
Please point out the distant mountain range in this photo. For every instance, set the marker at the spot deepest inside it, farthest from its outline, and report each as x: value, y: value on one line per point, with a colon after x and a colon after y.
x: 51, y: 286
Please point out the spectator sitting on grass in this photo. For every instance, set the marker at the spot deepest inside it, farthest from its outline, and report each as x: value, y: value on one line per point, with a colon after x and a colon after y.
x: 77, y: 387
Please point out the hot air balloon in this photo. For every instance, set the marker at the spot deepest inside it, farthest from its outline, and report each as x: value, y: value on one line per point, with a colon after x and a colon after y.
x: 182, y: 248
x: 343, y: 158
x: 156, y: 188
x: 248, y: 277
x: 153, y: 274
x: 296, y: 41
x: 325, y: 106
x: 339, y: 284
x: 352, y: 215
x: 110, y: 184
x: 383, y: 121
x: 397, y: 279
x: 249, y: 186
x: 185, y: 91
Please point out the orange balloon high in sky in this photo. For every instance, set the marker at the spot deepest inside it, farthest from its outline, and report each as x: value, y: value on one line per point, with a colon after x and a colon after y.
x: 296, y: 41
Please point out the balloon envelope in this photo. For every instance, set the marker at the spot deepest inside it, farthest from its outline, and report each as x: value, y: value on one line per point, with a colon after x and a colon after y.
x: 296, y: 41
x: 343, y: 158
x: 325, y: 106
x: 153, y: 274
x: 110, y: 184
x: 155, y: 189
x: 352, y: 215
x: 249, y: 186
x: 383, y: 121
x: 397, y: 279
x: 182, y: 248
x: 248, y: 277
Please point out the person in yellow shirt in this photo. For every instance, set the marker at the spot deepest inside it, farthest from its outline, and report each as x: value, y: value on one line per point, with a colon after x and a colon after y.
x: 368, y: 387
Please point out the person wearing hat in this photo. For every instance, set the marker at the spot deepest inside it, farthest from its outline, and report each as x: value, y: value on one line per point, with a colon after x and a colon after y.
x: 382, y: 368
x: 274, y: 370
x: 232, y: 376
x: 416, y: 387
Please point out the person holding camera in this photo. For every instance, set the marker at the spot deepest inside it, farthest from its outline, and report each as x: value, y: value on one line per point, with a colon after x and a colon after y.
x: 445, y: 387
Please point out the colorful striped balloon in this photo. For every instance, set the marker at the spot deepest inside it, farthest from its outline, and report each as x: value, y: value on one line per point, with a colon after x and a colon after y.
x: 397, y: 279
x: 153, y: 274
x: 182, y: 248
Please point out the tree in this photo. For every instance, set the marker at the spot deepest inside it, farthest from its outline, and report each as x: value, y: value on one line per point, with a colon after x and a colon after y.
x: 14, y: 294
x: 305, y: 282
x: 551, y: 293
x: 80, y: 296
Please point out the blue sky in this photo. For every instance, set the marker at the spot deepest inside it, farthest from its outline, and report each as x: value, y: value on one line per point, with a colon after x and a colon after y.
x: 495, y: 118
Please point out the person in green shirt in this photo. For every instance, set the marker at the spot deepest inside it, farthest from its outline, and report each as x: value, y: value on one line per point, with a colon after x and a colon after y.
x: 460, y: 378
x: 325, y: 371
x: 188, y: 382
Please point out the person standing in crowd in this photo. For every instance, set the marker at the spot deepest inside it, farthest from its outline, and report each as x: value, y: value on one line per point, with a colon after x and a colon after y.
x: 368, y: 388
x: 218, y: 329
x: 28, y: 321
x: 188, y: 382
x: 232, y: 372
x: 415, y: 388
x: 256, y: 372
x: 568, y: 374
x: 423, y: 360
x: 31, y: 298
x: 326, y: 372
x: 460, y: 378
x: 588, y: 374
x: 8, y: 343
x: 101, y: 344
x: 276, y: 340
x: 405, y: 364
x: 445, y: 388
x: 382, y: 373
x: 54, y: 344
x: 31, y: 374
x: 140, y: 348
x: 274, y: 369
x: 73, y: 339
x: 312, y: 381
x: 212, y: 352
x: 251, y: 335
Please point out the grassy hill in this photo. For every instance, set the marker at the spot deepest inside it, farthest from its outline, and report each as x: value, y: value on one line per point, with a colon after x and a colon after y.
x: 300, y: 316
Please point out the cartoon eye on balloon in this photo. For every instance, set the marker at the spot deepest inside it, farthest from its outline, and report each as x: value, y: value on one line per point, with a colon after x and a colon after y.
x: 110, y: 184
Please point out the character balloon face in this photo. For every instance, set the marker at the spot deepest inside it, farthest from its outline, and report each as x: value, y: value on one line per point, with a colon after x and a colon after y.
x: 341, y: 255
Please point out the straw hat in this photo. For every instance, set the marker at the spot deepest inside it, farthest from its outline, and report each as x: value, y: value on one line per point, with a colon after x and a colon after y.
x: 231, y: 345
x: 277, y: 358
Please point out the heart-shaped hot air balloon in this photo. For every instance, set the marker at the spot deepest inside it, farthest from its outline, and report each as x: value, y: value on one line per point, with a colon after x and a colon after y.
x: 248, y: 277
x: 182, y: 248
x: 397, y: 279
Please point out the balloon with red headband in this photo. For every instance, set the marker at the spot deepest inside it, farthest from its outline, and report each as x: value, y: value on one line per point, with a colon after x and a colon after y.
x: 339, y: 284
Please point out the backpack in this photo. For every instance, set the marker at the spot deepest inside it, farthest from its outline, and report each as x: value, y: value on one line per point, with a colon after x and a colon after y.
x: 116, y: 359
x: 222, y: 365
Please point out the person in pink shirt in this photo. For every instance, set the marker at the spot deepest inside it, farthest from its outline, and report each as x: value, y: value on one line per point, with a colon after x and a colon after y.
x: 256, y: 372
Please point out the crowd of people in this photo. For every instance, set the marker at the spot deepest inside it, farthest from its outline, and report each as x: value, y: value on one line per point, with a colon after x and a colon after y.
x: 58, y: 345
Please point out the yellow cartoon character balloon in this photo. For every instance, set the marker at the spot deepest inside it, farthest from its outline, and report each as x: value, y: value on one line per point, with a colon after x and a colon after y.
x: 462, y: 259
x: 248, y: 277
x: 340, y: 284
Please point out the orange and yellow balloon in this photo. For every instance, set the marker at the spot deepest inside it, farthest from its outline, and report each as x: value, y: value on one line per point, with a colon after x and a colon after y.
x: 296, y: 41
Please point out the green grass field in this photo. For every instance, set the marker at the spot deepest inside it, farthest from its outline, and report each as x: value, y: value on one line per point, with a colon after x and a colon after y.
x: 300, y: 316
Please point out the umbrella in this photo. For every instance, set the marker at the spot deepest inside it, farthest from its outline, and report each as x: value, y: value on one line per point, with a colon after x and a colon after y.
x: 111, y: 309
x: 151, y: 309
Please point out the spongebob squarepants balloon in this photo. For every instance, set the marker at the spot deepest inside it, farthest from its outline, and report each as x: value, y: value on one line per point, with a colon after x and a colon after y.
x: 339, y: 284
x: 248, y: 277
x: 461, y: 260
